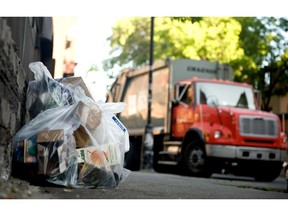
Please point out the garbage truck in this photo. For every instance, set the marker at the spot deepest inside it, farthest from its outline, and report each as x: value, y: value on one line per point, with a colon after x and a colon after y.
x: 202, y: 121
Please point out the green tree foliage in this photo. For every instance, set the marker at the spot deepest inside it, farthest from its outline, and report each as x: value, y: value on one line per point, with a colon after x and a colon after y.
x: 263, y: 42
x: 93, y: 68
x: 129, y: 43
x: 175, y: 39
x: 265, y: 46
x: 273, y: 80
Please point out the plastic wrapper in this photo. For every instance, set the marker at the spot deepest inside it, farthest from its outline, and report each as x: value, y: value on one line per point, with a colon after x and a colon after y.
x: 73, y: 140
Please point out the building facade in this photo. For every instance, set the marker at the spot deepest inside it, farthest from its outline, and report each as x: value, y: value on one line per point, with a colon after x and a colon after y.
x: 22, y: 40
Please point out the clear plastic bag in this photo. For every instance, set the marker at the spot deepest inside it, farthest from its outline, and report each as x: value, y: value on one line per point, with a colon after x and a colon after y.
x: 76, y: 144
x: 113, y: 138
x: 44, y: 92
x: 45, y: 146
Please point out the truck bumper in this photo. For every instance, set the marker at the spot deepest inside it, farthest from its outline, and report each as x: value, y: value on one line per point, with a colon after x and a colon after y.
x: 243, y: 152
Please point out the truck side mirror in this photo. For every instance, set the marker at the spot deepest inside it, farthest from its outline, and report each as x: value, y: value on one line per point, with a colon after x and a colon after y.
x: 212, y: 101
x: 175, y: 102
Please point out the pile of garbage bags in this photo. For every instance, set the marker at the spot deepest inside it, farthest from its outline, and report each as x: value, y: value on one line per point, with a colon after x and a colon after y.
x: 71, y: 140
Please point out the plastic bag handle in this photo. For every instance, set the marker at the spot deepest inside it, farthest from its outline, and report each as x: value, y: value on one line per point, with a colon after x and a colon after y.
x: 112, y: 107
x: 39, y: 70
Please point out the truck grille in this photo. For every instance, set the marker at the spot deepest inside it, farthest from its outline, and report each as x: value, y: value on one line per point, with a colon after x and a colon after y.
x: 258, y: 126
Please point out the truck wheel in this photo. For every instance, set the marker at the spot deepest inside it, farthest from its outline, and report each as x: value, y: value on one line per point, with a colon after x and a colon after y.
x: 268, y: 172
x: 195, y: 161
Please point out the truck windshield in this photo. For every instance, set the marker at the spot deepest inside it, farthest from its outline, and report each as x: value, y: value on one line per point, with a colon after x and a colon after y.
x: 225, y: 94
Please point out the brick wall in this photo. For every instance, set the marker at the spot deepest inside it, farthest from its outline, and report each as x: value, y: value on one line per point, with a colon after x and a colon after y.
x: 13, y: 85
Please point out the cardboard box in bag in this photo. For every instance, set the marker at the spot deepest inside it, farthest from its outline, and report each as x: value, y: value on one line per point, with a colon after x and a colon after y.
x: 30, y: 153
x: 89, y: 114
x: 96, y: 155
x: 77, y: 81
x: 90, y: 155
x: 82, y: 137
x: 48, y: 142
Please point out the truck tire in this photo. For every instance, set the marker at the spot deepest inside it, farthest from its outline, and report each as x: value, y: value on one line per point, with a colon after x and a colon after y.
x: 195, y: 160
x: 268, y: 171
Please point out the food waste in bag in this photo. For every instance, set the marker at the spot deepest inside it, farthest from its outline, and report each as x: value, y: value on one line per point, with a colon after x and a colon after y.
x: 70, y: 140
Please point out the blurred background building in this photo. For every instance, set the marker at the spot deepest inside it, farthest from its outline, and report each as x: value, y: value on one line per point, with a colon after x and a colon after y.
x: 64, y: 46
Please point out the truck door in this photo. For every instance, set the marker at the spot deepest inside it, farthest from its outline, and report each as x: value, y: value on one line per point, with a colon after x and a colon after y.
x: 182, y: 111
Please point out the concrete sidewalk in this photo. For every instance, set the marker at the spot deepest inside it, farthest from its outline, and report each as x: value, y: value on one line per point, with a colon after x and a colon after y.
x: 15, y: 188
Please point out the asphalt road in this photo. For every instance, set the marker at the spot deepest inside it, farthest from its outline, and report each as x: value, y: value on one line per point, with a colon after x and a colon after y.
x: 150, y: 193
x: 151, y: 185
